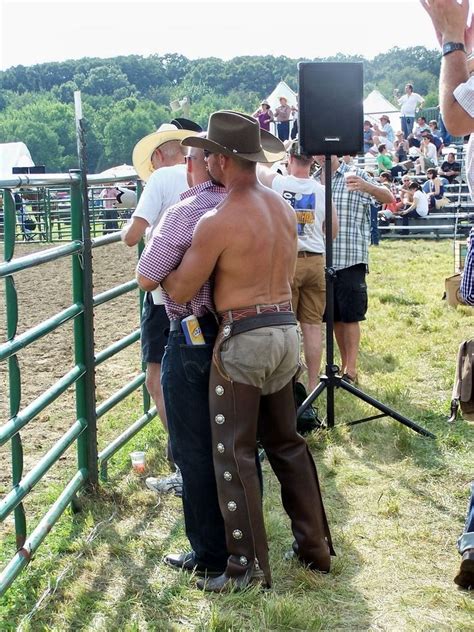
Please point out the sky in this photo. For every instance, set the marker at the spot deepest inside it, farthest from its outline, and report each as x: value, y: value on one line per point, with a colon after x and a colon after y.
x: 33, y: 32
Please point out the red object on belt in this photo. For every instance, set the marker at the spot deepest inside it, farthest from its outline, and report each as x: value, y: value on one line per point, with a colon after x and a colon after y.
x: 231, y: 315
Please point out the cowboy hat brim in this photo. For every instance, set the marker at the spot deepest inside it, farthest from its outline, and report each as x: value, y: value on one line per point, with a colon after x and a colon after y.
x: 143, y: 150
x: 272, y: 148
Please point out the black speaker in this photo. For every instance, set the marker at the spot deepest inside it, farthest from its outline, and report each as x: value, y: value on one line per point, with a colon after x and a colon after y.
x: 331, y: 107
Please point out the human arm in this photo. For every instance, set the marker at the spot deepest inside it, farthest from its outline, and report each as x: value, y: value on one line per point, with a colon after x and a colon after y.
x: 265, y: 175
x: 379, y: 192
x: 449, y: 19
x: 134, y: 230
x: 198, y: 263
x: 334, y: 223
x: 165, y: 250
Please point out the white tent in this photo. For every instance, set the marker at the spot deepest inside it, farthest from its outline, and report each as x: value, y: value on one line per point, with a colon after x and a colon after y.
x: 376, y: 104
x: 14, y: 155
x: 281, y: 90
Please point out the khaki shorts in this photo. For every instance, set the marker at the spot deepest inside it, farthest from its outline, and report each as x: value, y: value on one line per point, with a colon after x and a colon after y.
x: 267, y: 358
x: 309, y: 290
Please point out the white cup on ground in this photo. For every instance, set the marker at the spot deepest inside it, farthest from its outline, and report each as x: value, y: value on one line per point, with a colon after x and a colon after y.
x: 138, y: 461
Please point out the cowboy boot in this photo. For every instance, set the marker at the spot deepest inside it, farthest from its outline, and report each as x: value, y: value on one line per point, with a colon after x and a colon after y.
x: 234, y: 412
x: 294, y: 467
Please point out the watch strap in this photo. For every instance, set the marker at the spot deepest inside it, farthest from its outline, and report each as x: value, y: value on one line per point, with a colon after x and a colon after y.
x: 450, y: 47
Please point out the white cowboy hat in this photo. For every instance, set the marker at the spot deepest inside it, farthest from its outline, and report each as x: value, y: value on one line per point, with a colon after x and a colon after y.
x: 143, y: 150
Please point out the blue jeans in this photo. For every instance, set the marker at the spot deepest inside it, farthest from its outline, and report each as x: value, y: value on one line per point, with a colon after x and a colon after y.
x: 374, y: 225
x: 283, y: 130
x: 185, y: 381
x: 407, y: 124
x: 466, y: 541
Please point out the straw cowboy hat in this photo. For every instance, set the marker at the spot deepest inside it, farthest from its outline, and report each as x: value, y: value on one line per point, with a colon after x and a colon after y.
x: 238, y: 135
x: 143, y: 150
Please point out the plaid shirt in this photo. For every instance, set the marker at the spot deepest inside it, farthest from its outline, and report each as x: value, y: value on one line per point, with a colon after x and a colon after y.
x: 467, y: 281
x: 172, y: 238
x: 351, y: 245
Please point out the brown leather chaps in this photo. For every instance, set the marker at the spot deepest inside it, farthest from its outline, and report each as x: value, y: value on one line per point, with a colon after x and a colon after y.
x: 239, y: 413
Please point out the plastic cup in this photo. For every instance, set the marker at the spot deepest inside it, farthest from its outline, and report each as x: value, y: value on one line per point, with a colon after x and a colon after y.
x: 138, y: 462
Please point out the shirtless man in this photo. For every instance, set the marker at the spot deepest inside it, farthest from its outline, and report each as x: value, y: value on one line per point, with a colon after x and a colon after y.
x: 249, y: 242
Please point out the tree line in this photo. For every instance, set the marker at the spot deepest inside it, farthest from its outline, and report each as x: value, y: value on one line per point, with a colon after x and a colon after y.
x: 127, y: 97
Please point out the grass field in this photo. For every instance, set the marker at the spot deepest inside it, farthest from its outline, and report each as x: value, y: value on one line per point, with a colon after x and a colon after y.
x: 396, y: 501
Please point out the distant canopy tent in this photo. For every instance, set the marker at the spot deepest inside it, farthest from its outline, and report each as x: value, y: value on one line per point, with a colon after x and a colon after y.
x: 376, y: 104
x: 13, y: 155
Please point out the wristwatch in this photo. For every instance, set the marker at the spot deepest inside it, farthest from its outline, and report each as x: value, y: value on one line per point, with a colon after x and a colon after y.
x: 450, y: 47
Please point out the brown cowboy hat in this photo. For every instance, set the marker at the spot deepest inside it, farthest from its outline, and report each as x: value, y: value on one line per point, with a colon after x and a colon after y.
x: 236, y: 134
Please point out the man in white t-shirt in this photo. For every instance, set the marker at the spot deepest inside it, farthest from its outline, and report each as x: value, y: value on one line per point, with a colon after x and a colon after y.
x: 159, y: 160
x: 409, y: 103
x: 306, y: 197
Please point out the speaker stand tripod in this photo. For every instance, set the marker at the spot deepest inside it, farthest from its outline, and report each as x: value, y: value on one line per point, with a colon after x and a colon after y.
x: 331, y: 380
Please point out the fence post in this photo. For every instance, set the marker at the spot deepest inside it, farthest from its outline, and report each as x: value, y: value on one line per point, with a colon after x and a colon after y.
x: 85, y: 343
x: 14, y: 378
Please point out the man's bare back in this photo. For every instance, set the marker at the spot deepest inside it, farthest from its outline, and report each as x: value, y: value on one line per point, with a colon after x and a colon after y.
x: 250, y: 242
x: 258, y: 261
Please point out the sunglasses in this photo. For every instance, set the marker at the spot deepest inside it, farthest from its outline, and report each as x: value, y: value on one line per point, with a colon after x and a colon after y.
x: 207, y: 153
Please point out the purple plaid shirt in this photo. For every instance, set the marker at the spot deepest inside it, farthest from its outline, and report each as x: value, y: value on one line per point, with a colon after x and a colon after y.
x: 170, y: 241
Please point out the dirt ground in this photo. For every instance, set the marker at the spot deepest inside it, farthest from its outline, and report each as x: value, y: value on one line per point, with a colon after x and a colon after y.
x: 42, y: 292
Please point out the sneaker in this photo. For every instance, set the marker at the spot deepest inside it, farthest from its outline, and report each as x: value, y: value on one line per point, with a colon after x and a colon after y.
x: 172, y: 484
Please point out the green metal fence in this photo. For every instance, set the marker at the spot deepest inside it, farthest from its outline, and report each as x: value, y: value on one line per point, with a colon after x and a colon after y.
x: 83, y: 430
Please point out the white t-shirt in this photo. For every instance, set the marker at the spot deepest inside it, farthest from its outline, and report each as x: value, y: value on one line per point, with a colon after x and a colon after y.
x: 408, y: 103
x: 464, y: 95
x: 431, y: 153
x: 307, y: 198
x: 162, y: 190
x: 421, y: 200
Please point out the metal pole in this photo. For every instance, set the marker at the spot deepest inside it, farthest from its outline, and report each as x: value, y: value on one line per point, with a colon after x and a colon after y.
x: 14, y: 378
x: 331, y: 369
x: 87, y: 455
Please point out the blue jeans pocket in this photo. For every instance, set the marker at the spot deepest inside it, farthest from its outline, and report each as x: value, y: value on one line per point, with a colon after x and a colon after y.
x: 196, y: 361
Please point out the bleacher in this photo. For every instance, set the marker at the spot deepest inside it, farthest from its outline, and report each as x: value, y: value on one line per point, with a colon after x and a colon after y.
x: 452, y: 221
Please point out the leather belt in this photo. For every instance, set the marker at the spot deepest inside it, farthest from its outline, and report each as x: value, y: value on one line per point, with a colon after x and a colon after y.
x: 240, y: 313
x: 274, y: 319
x: 305, y: 253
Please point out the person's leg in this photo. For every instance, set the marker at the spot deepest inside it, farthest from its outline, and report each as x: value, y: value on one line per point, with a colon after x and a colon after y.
x: 312, y: 345
x: 341, y: 343
x: 291, y: 461
x: 465, y: 576
x: 154, y: 336
x: 374, y: 226
x: 185, y: 378
x: 351, y: 334
x: 466, y: 541
x: 351, y: 294
x: 310, y: 311
x: 153, y: 385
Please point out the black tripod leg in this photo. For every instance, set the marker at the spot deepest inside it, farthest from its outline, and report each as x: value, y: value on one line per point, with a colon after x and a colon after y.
x: 385, y: 409
x: 311, y: 397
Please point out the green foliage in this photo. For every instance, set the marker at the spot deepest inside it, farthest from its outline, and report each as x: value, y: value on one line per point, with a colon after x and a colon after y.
x: 127, y: 97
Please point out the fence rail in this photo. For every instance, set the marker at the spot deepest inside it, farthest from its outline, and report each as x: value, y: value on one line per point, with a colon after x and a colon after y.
x: 76, y: 215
